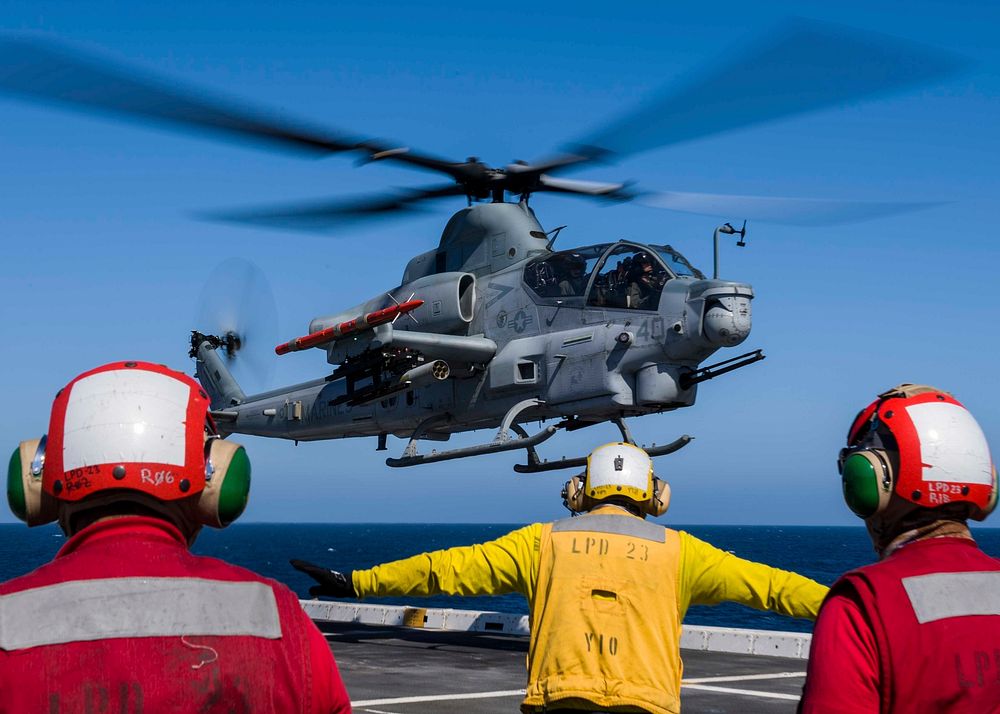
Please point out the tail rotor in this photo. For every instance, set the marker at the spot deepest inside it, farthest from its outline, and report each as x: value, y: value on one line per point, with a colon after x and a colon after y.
x: 238, y: 316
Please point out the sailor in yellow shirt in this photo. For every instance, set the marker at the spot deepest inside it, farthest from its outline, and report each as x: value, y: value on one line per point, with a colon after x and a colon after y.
x: 607, y: 591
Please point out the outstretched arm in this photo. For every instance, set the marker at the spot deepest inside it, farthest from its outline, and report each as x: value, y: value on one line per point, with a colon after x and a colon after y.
x: 709, y: 576
x: 504, y: 565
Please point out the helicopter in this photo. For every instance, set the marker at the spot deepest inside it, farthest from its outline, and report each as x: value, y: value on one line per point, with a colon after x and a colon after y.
x: 495, y: 328
x: 583, y: 336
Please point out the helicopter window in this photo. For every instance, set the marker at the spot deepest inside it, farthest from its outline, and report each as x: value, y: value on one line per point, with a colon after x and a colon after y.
x: 677, y: 263
x: 564, y: 274
x: 631, y: 278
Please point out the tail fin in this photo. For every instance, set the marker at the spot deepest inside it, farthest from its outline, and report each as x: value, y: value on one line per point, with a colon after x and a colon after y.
x: 212, y: 372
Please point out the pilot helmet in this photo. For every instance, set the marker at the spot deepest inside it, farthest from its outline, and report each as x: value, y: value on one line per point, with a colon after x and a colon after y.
x: 130, y: 432
x: 639, y: 263
x: 917, y: 447
x: 622, y: 473
x: 573, y: 261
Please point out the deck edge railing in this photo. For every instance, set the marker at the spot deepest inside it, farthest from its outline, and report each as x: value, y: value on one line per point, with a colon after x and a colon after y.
x: 772, y: 643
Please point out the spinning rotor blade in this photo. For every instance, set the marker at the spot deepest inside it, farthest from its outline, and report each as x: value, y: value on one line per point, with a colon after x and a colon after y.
x: 320, y: 215
x: 596, y: 189
x: 789, y: 211
x: 53, y: 73
x: 802, y: 67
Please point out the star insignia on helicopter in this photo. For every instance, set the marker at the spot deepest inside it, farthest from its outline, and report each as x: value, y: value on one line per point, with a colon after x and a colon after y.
x: 521, y: 321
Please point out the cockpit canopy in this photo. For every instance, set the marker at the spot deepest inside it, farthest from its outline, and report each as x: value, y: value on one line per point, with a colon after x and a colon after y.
x: 563, y: 274
x: 624, y: 276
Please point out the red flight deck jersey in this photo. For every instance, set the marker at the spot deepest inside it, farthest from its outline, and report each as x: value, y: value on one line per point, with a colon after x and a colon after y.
x: 126, y: 620
x: 917, y: 632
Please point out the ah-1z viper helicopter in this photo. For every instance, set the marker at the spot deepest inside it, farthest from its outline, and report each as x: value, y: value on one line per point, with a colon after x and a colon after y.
x: 505, y: 330
x: 498, y: 329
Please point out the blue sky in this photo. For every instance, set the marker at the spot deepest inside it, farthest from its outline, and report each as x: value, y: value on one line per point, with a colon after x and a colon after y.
x: 103, y: 261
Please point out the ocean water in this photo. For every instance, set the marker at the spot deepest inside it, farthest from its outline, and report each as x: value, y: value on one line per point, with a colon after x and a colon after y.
x: 821, y: 553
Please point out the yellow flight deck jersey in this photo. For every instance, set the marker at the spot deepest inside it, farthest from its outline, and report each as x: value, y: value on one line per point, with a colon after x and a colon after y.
x: 607, y: 593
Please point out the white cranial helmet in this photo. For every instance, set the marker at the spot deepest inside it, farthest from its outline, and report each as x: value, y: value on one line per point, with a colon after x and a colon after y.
x: 618, y: 471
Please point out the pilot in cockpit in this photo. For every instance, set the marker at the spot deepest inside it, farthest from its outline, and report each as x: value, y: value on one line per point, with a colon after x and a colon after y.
x: 644, y: 283
x: 574, y: 279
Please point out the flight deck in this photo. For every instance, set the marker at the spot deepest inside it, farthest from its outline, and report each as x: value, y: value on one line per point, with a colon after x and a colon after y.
x: 400, y: 660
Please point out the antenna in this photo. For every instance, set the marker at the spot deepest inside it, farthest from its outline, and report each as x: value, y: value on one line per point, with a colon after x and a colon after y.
x: 742, y: 231
x: 555, y: 234
x: 728, y: 229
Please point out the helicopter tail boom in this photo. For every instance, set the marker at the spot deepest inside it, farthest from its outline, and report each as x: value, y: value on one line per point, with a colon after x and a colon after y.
x: 213, y: 374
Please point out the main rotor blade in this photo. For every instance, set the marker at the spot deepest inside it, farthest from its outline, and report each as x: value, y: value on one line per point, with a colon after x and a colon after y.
x: 789, y: 211
x: 802, y: 67
x: 594, y: 189
x: 53, y: 73
x: 322, y: 215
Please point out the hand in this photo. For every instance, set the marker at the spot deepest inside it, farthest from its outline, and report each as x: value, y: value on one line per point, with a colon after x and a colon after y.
x: 331, y: 582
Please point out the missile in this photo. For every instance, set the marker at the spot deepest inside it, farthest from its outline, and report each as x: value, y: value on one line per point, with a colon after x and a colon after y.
x: 344, y: 329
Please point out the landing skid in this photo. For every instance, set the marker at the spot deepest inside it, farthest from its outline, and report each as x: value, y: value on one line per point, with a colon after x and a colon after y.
x: 536, y: 465
x: 505, y: 441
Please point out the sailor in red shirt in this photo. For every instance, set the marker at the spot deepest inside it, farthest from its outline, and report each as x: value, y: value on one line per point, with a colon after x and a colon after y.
x: 125, y: 618
x: 918, y: 631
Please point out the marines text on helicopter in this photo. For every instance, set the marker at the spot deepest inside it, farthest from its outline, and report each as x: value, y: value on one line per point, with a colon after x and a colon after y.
x: 498, y: 329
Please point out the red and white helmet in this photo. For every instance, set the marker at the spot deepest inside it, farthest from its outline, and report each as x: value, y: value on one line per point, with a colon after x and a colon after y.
x: 127, y: 425
x: 130, y: 432
x: 922, y: 445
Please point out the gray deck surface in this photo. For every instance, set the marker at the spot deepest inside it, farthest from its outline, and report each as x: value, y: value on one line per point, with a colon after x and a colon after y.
x: 392, y: 670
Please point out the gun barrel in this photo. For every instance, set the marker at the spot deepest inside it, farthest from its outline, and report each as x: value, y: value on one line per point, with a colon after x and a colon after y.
x: 704, y: 374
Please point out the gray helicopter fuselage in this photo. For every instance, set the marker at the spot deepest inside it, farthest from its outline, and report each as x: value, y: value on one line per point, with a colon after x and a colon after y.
x: 509, y: 335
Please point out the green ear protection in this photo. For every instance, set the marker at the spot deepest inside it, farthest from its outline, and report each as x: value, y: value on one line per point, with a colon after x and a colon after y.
x: 25, y: 495
x: 867, y: 478
x: 227, y: 484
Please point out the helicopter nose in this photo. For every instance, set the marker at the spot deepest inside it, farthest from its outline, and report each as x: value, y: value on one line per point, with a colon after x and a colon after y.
x: 727, y: 320
x: 721, y: 309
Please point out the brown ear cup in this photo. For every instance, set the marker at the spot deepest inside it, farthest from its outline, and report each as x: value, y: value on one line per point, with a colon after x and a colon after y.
x: 575, y: 497
x: 660, y: 502
x: 39, y: 507
x: 210, y: 509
